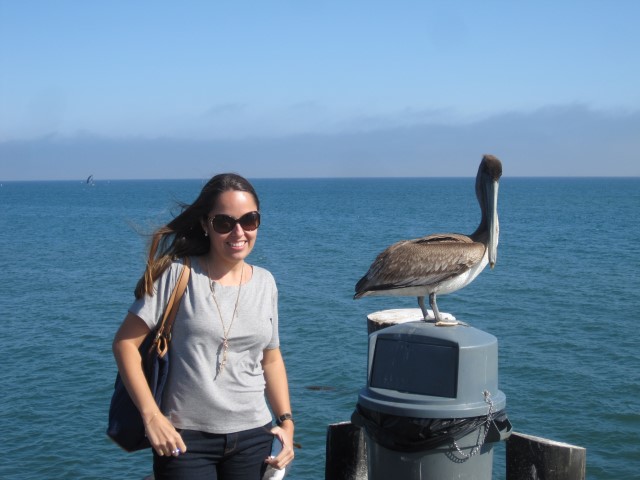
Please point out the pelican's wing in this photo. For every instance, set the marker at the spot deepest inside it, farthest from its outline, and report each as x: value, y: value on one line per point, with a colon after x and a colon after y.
x: 420, y: 262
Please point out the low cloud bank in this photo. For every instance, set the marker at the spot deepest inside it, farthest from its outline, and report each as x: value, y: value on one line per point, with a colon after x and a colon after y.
x: 558, y: 141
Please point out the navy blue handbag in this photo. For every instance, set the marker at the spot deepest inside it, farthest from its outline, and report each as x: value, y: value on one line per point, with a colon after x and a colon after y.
x: 126, y: 427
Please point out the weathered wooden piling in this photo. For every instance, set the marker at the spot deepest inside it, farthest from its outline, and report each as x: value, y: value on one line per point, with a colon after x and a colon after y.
x: 386, y: 318
x: 346, y: 457
x: 533, y: 458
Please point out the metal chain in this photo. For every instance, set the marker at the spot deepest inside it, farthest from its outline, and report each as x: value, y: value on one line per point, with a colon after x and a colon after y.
x: 487, y: 425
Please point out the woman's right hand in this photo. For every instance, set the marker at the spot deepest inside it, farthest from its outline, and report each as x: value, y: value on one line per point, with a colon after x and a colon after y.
x: 163, y: 436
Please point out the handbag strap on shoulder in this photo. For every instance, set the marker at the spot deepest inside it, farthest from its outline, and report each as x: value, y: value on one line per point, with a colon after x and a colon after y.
x: 163, y: 334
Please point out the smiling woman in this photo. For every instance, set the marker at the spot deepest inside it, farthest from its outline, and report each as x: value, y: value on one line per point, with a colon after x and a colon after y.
x: 225, y: 345
x: 232, y: 234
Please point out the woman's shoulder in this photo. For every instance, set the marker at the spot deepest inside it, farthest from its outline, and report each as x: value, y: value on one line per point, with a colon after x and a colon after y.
x: 177, y: 264
x: 174, y: 269
x: 262, y: 274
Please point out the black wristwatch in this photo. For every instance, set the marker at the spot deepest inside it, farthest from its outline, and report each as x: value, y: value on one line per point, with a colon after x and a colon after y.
x: 283, y: 417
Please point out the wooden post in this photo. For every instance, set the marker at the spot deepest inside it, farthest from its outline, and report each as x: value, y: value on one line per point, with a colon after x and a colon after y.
x: 386, y: 318
x: 533, y: 458
x: 346, y: 453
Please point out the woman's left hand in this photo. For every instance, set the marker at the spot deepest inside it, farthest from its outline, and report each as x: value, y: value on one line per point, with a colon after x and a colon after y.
x: 285, y: 435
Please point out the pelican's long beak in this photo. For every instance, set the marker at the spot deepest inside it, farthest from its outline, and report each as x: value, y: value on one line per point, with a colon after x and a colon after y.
x: 494, y: 227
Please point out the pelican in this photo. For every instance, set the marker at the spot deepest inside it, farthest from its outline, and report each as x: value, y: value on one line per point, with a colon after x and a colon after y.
x: 440, y: 263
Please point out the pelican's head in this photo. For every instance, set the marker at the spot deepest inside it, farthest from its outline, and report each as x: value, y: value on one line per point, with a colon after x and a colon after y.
x: 487, y: 183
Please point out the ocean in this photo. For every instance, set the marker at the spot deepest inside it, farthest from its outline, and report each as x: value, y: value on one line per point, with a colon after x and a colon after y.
x: 563, y: 302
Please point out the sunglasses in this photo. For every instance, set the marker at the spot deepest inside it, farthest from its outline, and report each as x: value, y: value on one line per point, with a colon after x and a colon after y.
x: 224, y: 223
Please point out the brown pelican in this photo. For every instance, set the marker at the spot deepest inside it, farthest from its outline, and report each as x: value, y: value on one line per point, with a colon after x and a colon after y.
x: 444, y: 262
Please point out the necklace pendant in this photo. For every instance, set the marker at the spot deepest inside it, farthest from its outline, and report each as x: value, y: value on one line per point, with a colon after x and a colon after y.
x: 225, y: 349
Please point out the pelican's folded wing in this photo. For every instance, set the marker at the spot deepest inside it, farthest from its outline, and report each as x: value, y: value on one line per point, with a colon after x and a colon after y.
x: 423, y: 261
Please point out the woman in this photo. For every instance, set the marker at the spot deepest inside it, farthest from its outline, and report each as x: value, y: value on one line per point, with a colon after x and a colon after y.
x: 215, y: 422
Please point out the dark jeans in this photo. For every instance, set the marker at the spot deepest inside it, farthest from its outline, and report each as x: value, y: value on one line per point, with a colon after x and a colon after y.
x: 233, y: 456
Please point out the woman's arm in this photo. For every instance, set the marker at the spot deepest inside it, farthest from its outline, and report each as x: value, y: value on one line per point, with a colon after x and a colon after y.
x: 162, y: 435
x: 277, y: 389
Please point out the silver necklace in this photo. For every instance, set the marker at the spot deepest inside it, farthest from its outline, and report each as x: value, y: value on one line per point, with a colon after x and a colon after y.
x: 225, y: 331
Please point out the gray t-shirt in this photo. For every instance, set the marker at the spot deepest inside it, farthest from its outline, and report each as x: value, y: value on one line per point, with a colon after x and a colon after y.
x: 197, y: 397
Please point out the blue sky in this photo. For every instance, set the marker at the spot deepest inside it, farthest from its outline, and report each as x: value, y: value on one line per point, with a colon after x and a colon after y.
x: 186, y: 89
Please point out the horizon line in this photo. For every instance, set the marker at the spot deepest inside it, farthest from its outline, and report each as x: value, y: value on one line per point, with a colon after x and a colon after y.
x: 192, y: 179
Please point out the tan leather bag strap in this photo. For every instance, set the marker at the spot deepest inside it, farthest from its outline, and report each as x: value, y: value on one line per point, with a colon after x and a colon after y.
x: 163, y: 334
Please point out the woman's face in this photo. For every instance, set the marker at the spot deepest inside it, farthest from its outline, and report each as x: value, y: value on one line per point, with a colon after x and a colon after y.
x: 236, y: 245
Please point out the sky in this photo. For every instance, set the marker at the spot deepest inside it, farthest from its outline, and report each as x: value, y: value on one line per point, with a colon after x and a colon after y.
x: 284, y: 88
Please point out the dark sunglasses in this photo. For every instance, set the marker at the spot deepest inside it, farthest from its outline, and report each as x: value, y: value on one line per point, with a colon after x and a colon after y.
x: 224, y: 223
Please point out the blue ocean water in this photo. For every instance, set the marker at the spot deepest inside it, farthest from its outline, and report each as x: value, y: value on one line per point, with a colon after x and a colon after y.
x: 562, y: 301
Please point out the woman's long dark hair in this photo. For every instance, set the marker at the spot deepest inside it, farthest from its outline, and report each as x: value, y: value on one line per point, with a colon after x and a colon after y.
x: 183, y: 236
